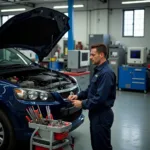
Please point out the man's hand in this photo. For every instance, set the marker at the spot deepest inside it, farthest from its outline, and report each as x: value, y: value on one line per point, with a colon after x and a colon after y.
x: 72, y: 97
x: 77, y: 103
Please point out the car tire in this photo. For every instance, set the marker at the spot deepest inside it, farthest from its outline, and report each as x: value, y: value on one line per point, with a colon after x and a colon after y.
x: 6, y: 133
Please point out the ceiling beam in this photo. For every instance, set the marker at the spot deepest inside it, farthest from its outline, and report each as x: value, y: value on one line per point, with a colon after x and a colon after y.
x: 22, y: 3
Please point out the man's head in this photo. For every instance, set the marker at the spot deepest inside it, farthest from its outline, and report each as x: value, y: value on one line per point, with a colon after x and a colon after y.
x: 98, y: 54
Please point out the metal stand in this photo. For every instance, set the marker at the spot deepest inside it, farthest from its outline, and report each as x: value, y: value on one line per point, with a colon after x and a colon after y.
x: 43, y: 135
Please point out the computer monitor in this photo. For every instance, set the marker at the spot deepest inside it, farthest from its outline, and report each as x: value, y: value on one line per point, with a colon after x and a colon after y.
x: 78, y: 58
x: 137, y: 55
x: 84, y: 58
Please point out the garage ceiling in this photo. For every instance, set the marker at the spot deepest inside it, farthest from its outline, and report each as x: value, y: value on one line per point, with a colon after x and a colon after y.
x: 32, y: 3
x: 29, y: 2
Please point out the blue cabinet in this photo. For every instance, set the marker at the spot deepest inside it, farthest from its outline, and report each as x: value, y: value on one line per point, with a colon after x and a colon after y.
x: 56, y: 65
x: 132, y: 78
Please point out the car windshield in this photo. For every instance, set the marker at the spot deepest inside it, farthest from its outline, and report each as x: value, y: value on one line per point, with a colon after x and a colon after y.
x: 12, y: 56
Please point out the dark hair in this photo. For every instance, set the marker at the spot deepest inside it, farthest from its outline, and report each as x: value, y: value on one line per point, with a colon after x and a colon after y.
x: 101, y: 48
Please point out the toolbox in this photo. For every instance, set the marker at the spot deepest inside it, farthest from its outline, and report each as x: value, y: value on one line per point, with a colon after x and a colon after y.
x: 134, y: 78
x: 51, y: 136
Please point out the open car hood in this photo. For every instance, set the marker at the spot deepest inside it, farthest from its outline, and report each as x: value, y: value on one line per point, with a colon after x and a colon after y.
x: 38, y: 30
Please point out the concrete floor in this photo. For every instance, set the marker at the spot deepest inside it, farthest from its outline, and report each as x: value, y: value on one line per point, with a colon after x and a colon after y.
x: 131, y: 128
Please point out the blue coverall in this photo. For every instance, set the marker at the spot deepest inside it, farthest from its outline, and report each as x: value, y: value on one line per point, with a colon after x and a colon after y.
x: 98, y: 98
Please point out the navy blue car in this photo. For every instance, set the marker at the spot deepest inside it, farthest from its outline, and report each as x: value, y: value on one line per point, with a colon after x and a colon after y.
x: 24, y: 83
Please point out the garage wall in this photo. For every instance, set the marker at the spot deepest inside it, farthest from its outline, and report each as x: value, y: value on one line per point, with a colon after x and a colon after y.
x: 115, y: 25
x: 80, y: 28
x: 99, y: 21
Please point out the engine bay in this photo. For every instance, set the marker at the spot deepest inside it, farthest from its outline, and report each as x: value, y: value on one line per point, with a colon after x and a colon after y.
x: 48, y: 80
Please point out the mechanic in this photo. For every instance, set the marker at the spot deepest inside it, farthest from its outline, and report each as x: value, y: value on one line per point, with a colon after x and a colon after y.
x: 99, y: 98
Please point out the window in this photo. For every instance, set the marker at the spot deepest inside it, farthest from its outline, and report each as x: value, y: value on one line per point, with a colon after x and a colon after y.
x: 133, y: 23
x: 7, y: 56
x: 5, y: 18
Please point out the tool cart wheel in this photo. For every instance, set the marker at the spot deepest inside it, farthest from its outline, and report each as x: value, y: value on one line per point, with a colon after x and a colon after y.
x: 7, y: 138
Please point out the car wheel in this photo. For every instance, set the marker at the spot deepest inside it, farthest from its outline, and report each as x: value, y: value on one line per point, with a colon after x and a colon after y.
x: 7, y: 138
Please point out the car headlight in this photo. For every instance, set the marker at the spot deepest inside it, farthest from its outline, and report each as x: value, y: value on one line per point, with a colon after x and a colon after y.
x: 32, y: 94
x: 44, y: 96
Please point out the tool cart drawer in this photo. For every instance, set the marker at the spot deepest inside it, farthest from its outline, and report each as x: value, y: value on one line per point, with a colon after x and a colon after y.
x: 139, y: 78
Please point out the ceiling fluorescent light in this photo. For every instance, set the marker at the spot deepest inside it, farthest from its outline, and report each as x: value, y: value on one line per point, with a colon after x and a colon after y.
x: 12, y: 10
x: 78, y: 6
x: 60, y: 7
x: 136, y: 2
x: 65, y: 6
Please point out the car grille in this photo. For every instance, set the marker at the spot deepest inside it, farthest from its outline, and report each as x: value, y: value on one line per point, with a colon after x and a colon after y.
x: 66, y: 94
x: 76, y: 114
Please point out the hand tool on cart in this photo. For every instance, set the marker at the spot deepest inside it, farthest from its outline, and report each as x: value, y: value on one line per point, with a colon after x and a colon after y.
x: 35, y: 115
x: 49, y: 114
x: 41, y: 116
x: 30, y: 115
x: 28, y: 119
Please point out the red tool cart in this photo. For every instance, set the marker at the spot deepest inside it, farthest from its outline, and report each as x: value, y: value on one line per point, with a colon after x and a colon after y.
x: 48, y: 134
x: 51, y: 136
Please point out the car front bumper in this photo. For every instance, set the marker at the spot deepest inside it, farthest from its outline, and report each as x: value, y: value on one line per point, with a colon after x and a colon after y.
x: 77, y: 122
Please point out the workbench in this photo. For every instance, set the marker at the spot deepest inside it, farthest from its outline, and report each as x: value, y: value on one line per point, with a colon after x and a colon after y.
x: 134, y: 78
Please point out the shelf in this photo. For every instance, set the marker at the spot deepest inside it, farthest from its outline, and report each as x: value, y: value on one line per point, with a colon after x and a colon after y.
x: 66, y: 141
x: 45, y: 128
